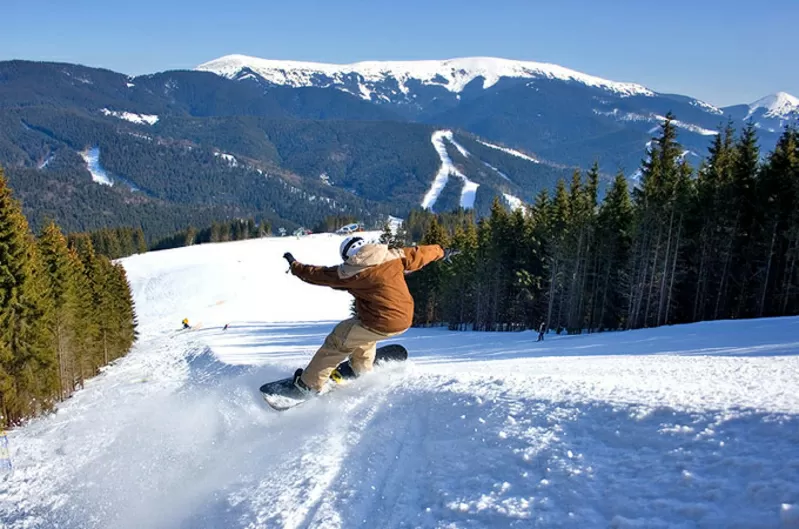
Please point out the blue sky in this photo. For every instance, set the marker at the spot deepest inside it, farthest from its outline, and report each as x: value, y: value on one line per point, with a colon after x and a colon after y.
x: 724, y: 52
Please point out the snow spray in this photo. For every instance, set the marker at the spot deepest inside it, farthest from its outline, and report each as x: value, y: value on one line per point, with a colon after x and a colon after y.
x: 5, y: 453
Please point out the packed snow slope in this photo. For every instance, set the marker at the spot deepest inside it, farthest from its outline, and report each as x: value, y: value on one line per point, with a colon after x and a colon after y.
x: 687, y: 426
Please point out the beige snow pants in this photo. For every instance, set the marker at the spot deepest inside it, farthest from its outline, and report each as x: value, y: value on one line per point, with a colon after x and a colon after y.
x: 348, y: 339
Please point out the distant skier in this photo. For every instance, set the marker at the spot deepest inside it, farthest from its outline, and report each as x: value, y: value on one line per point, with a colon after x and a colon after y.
x: 225, y: 327
x: 375, y: 276
x: 185, y: 323
x: 541, y: 330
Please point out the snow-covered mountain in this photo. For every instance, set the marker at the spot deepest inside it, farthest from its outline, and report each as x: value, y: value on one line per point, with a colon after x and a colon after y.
x: 780, y: 105
x: 387, y: 79
x: 566, y: 116
x: 679, y: 426
x: 770, y: 113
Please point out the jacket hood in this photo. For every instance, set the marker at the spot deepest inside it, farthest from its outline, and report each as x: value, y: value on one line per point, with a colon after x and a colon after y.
x: 368, y: 256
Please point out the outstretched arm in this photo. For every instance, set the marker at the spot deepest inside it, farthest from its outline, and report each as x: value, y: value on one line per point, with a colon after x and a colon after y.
x: 326, y: 276
x: 420, y: 256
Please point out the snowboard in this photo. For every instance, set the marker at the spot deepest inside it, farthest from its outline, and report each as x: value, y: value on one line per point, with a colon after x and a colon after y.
x: 282, y: 394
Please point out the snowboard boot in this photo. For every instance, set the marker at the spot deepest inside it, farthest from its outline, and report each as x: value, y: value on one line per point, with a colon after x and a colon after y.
x: 343, y: 372
x: 301, y: 386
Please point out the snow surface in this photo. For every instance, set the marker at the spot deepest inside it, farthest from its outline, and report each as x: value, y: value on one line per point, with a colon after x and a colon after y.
x: 707, y: 107
x: 780, y: 105
x: 92, y: 158
x: 684, y: 426
x: 394, y: 224
x: 229, y: 158
x: 513, y: 152
x: 632, y: 116
x: 46, y: 161
x: 452, y: 74
x: 688, y: 126
x: 140, y: 119
x: 500, y: 173
x: 514, y: 202
x: 469, y: 191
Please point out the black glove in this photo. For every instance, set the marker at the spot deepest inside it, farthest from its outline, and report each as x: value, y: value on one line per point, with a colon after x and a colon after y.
x: 449, y: 253
x: 288, y: 257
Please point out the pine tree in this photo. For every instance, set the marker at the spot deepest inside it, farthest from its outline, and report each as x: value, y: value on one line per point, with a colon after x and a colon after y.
x: 430, y: 281
x: 709, y: 226
x: 62, y: 286
x: 386, y: 236
x: 87, y: 331
x: 658, y: 238
x: 460, y: 288
x: 777, y: 205
x: 737, y: 289
x: 614, y: 239
x: 559, y: 222
x: 28, y: 373
x: 139, y: 241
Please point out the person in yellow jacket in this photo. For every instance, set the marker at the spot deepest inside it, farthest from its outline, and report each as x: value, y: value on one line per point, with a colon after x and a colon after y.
x: 375, y: 275
x: 185, y: 323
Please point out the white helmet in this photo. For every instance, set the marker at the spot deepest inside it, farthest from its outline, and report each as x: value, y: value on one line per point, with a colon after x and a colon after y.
x: 350, y: 247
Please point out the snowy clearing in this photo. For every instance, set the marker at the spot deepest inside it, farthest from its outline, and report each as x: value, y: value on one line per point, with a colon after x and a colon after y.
x: 92, y: 158
x: 228, y: 158
x: 683, y: 426
x: 140, y: 119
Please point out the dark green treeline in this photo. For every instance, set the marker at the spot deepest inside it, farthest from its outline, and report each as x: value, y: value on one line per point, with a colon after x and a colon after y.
x: 683, y: 246
x: 65, y: 312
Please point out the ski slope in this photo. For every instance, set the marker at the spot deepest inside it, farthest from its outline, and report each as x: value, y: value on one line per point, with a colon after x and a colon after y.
x: 686, y: 426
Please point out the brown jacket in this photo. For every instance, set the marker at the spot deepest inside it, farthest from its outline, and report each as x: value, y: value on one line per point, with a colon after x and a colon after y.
x: 376, y: 277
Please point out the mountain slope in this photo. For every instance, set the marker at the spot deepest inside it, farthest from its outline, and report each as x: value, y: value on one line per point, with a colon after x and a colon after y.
x: 179, y: 142
x: 568, y: 117
x: 296, y: 142
x: 679, y: 426
x: 771, y: 113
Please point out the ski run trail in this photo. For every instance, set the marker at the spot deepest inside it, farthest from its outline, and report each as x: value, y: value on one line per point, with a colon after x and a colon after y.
x: 690, y: 426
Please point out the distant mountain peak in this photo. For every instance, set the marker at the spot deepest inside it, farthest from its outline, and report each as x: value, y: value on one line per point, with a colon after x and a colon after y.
x: 451, y: 74
x: 778, y: 105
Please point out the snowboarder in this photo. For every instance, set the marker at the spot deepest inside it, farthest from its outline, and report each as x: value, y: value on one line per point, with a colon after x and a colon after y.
x: 541, y: 330
x: 185, y: 323
x: 375, y: 276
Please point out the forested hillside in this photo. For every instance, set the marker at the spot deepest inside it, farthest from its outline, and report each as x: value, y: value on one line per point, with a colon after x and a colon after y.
x: 717, y: 242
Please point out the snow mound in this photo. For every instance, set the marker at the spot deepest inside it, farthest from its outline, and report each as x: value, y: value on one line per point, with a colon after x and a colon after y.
x: 452, y: 74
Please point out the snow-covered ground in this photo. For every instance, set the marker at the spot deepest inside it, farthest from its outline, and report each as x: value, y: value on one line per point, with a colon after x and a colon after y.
x: 469, y: 191
x: 512, y: 152
x: 139, y: 119
x: 92, y: 158
x: 685, y: 426
x: 513, y: 201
